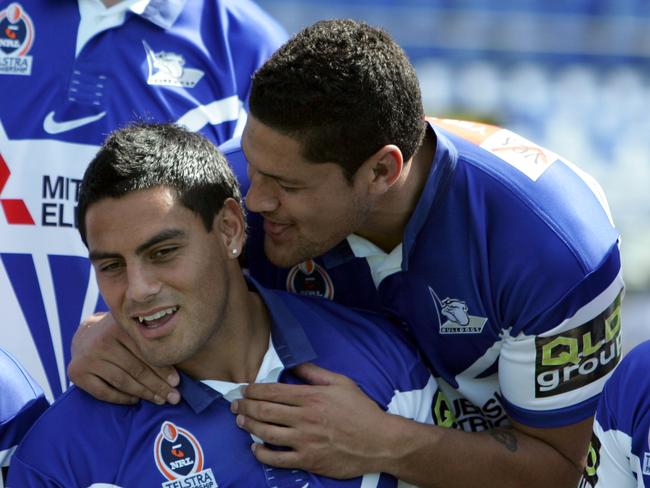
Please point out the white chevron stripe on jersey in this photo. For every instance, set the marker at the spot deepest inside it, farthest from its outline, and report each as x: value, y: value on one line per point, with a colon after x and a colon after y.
x: 216, y: 112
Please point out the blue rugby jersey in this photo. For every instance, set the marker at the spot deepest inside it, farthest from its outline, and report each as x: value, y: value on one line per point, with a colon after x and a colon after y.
x: 509, y: 252
x: 197, y: 443
x: 619, y: 454
x: 21, y: 403
x: 70, y: 73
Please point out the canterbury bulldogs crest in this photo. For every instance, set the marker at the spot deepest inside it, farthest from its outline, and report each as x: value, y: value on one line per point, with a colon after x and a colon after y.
x: 179, y: 458
x: 16, y: 39
x: 168, y: 69
x: 456, y: 315
x: 309, y: 278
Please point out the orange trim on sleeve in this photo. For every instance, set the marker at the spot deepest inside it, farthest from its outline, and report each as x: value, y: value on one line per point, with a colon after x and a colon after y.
x: 474, y: 132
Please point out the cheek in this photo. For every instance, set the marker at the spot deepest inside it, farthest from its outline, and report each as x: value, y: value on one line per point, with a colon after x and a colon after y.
x: 203, y: 276
x: 111, y: 293
x: 316, y: 212
x: 332, y: 215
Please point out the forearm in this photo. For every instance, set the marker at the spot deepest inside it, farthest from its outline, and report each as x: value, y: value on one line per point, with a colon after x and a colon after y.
x: 430, y: 456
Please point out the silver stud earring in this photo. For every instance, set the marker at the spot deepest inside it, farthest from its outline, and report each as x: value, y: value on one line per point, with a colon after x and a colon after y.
x: 234, y: 251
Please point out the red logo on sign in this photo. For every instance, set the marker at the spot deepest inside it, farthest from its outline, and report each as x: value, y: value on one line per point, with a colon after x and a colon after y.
x: 15, y: 210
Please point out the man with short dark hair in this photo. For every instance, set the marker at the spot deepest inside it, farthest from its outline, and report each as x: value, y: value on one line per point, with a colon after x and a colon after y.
x: 498, y: 255
x: 71, y: 72
x: 160, y: 212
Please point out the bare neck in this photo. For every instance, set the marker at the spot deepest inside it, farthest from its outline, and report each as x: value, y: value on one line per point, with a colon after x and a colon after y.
x: 236, y: 349
x: 391, y: 215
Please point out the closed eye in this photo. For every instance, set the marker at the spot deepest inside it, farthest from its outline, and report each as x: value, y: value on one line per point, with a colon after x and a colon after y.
x: 288, y: 189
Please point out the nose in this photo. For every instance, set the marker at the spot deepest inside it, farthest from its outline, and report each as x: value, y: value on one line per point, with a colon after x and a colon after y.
x: 142, y: 284
x: 261, y: 195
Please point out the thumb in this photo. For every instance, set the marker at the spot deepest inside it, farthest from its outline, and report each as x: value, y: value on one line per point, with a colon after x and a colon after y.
x: 316, y: 375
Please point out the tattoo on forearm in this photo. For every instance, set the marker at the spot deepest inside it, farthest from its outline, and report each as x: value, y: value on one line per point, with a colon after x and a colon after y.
x: 505, y: 437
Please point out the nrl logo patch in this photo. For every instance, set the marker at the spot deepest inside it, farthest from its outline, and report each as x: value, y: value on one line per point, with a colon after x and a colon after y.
x: 456, y: 312
x: 16, y: 39
x: 168, y: 69
x: 310, y: 279
x: 179, y: 458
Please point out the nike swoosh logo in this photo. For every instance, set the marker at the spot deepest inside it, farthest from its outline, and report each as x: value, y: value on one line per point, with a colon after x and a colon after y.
x: 51, y: 126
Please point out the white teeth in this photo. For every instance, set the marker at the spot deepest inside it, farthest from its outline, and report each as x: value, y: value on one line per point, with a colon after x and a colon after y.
x: 157, y: 315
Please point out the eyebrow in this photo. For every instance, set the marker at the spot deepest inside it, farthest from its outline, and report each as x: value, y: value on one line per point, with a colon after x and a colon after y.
x: 152, y: 241
x: 284, y: 179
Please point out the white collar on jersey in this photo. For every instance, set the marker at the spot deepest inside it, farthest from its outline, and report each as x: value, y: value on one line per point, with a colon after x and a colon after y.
x: 269, y: 372
x: 381, y: 264
x: 96, y: 17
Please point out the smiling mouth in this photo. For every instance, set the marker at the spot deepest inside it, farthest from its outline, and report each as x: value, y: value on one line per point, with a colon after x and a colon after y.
x: 156, y: 318
x: 274, y: 229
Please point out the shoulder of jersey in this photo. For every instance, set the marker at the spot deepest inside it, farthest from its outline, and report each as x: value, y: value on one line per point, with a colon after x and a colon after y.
x: 16, y: 385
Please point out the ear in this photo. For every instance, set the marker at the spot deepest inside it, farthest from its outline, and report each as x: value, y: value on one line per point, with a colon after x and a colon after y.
x: 381, y: 170
x: 231, y: 225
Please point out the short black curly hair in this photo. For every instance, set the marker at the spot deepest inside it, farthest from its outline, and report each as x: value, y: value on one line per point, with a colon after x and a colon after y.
x: 343, y: 89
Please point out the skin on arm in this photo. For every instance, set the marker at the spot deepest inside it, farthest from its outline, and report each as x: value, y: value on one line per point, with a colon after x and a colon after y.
x: 437, y: 457
x: 334, y: 429
x: 106, y: 364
